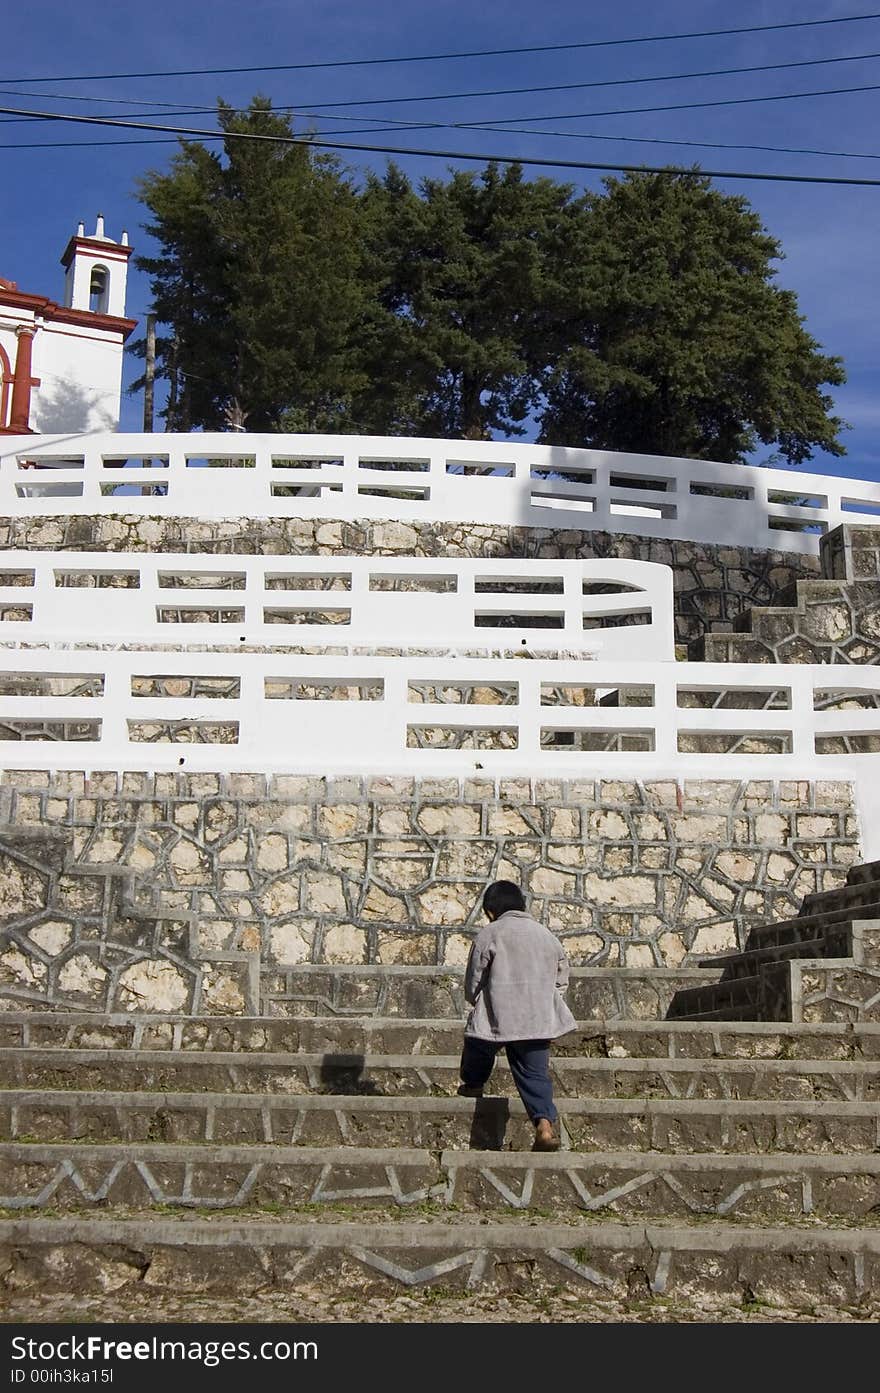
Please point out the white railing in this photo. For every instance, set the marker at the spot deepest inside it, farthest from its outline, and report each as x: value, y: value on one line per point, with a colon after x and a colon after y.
x: 274, y: 712
x: 411, y: 480
x: 342, y: 601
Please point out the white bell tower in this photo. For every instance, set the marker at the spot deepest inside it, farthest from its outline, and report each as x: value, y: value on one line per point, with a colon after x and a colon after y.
x: 97, y: 269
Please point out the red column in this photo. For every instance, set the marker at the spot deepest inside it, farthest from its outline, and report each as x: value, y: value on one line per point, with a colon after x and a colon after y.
x: 21, y: 382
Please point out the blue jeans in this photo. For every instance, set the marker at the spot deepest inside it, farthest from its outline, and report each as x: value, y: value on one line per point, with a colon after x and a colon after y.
x: 529, y: 1062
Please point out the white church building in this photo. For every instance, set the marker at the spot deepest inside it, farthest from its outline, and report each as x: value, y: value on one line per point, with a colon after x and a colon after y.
x: 61, y: 363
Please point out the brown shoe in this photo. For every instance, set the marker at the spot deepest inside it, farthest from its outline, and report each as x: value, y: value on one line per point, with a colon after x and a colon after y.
x: 544, y: 1138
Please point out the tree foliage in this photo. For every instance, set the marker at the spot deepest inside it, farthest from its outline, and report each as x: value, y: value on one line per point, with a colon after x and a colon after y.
x: 680, y: 343
x: 468, y: 271
x: 643, y: 317
x: 257, y: 278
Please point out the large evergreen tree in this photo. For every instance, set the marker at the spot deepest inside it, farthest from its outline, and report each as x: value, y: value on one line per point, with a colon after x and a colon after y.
x: 679, y: 342
x: 257, y: 279
x: 644, y: 317
x: 468, y: 271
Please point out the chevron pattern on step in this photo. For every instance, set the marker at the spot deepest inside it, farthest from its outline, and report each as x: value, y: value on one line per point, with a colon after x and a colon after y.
x: 701, y: 1161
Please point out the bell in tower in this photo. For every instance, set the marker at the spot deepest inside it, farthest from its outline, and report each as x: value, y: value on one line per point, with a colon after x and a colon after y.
x: 97, y: 269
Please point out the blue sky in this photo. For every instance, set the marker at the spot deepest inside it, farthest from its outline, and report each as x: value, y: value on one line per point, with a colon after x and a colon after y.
x: 828, y: 232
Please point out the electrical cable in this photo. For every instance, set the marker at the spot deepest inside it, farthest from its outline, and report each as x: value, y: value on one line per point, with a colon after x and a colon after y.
x: 581, y: 135
x: 659, y: 140
x: 449, y: 154
x: 445, y: 57
x: 468, y: 125
x: 488, y: 125
x: 682, y: 106
x: 504, y: 91
x: 580, y: 86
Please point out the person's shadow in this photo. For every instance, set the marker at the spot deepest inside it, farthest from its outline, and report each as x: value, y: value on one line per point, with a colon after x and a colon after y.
x: 344, y: 1073
x: 489, y: 1124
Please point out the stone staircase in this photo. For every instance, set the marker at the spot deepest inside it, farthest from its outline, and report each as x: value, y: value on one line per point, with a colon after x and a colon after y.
x: 822, y: 965
x: 835, y: 619
x: 816, y: 621
x: 704, y: 1166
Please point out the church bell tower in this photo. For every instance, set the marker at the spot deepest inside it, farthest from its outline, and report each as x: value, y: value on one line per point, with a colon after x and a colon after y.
x: 97, y: 269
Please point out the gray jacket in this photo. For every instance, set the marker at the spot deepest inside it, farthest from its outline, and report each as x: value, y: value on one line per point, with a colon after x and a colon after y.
x: 514, y: 980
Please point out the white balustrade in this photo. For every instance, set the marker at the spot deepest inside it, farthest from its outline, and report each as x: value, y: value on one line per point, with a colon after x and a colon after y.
x: 419, y: 480
x: 384, y: 664
x: 542, y: 717
x: 340, y: 601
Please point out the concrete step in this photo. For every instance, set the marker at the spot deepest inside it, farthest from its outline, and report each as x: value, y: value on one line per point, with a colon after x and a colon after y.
x: 797, y: 1263
x: 594, y: 993
x: 250, y: 1178
x: 488, y: 1124
x: 865, y: 871
x: 810, y: 991
x: 855, y: 943
x: 733, y: 648
x: 731, y: 999
x: 403, y: 1076
x: 835, y: 991
x: 836, y: 943
x: 808, y: 926
x: 863, y: 896
x: 826, y: 980
x: 770, y: 622
x: 395, y: 1035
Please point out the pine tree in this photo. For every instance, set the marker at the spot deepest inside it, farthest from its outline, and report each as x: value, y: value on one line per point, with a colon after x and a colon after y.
x: 465, y: 270
x: 257, y: 279
x: 679, y: 342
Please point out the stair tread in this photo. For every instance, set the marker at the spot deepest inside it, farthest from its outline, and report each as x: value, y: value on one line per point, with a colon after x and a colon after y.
x: 247, y: 1153
x: 241, y: 1059
x: 381, y: 1102
x: 846, y: 914
x: 810, y: 949
x: 672, y: 1233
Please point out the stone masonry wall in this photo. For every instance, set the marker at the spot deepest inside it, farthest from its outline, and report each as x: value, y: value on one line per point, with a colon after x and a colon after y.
x: 835, y: 619
x: 850, y: 552
x: 827, y: 621
x: 713, y: 584
x: 176, y: 892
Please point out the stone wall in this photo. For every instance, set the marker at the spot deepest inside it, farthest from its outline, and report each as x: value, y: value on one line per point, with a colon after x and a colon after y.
x: 827, y: 621
x: 713, y: 584
x: 850, y: 552
x: 835, y: 619
x: 182, y: 892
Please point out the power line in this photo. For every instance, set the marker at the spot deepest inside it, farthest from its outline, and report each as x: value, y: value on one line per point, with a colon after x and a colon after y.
x: 489, y: 125
x: 462, y: 126
x: 508, y: 91
x: 322, y: 143
x: 527, y: 91
x: 98, y: 144
x: 445, y: 57
x: 579, y: 135
x: 696, y: 144
x: 389, y: 124
x: 580, y: 86
x: 497, y: 122
x: 76, y: 97
x: 676, y: 106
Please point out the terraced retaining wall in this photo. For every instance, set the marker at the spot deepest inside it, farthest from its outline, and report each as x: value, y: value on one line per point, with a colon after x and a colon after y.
x: 832, y: 620
x: 713, y: 583
x: 203, y: 892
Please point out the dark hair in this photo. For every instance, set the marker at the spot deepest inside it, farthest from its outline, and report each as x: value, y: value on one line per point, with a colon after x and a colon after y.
x: 502, y: 896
